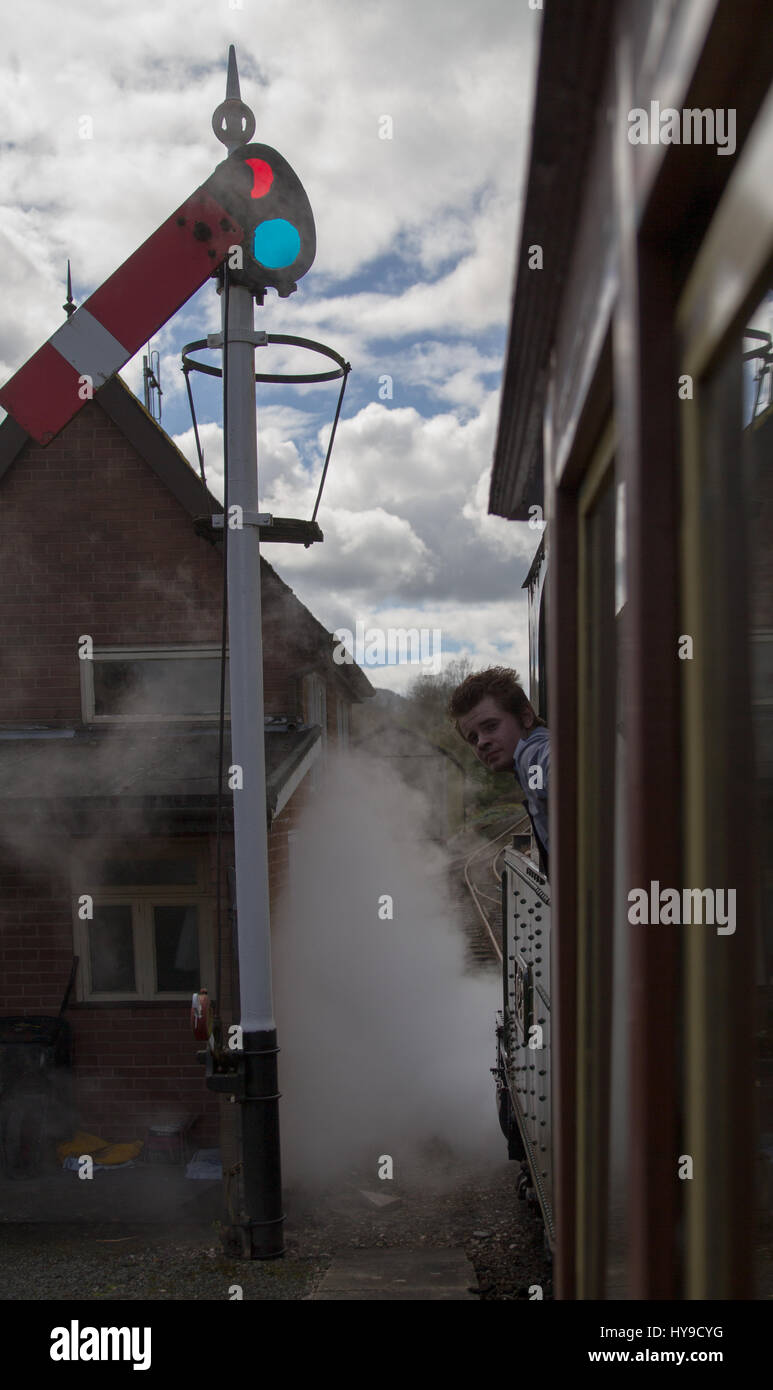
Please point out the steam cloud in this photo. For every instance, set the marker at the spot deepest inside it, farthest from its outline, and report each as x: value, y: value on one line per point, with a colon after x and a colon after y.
x: 386, y: 1041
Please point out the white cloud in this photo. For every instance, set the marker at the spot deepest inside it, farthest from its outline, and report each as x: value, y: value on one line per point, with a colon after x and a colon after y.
x: 396, y: 479
x: 377, y: 549
x: 211, y: 440
x: 492, y: 634
x: 496, y: 534
x: 416, y: 237
x: 473, y: 295
x: 452, y: 371
x: 319, y: 79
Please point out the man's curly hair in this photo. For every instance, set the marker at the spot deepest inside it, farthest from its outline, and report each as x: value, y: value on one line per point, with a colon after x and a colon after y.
x: 502, y: 684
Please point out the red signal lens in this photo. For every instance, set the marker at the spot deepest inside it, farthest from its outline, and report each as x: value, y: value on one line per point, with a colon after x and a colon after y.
x: 263, y: 177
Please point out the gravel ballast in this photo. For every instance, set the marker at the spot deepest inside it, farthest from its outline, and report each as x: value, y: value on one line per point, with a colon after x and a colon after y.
x: 452, y: 1205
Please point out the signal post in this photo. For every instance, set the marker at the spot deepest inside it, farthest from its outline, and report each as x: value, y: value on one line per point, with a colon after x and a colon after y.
x: 262, y: 192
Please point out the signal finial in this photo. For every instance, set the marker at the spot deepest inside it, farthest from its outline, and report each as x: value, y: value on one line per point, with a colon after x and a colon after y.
x: 232, y: 92
x: 233, y: 121
x: 69, y: 305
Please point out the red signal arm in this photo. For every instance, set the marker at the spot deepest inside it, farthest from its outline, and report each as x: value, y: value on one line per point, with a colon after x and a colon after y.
x: 114, y: 322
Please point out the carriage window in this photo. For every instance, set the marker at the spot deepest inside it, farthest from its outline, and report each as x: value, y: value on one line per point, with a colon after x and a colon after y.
x: 729, y: 725
x: 762, y: 667
x: 620, y: 548
x: 758, y: 495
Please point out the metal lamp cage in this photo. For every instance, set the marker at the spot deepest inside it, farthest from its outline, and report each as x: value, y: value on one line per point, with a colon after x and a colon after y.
x: 339, y: 372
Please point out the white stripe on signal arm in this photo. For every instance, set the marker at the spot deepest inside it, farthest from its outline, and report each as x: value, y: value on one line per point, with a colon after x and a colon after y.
x: 88, y: 347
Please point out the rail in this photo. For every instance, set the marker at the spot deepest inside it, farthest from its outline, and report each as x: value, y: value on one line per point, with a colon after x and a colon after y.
x: 476, y: 893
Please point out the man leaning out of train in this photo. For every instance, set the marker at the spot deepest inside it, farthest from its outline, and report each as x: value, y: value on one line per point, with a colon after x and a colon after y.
x: 494, y: 716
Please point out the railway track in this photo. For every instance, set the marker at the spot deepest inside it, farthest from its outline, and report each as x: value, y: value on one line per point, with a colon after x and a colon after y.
x: 479, y: 888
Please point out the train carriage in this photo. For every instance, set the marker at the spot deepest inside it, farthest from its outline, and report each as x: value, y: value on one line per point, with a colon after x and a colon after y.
x: 637, y: 420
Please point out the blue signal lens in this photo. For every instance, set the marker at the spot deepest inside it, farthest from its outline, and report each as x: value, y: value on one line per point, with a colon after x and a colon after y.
x: 276, y: 243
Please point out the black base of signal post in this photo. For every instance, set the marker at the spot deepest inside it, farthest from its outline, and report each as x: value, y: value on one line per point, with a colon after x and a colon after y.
x: 264, y: 1228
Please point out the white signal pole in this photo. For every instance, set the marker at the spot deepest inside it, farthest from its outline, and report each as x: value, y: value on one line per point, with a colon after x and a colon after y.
x: 259, y: 1096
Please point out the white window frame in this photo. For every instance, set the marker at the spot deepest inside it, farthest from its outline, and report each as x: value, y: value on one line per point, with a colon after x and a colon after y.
x: 142, y: 900
x: 315, y: 702
x: 144, y: 653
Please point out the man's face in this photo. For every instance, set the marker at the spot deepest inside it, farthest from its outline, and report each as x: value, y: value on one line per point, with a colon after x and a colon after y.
x: 492, y: 734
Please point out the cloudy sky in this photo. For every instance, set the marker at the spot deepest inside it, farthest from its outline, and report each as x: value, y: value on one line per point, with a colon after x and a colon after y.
x: 416, y: 243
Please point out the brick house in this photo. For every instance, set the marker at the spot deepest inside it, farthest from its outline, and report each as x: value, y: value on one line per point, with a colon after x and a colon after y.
x: 109, y: 755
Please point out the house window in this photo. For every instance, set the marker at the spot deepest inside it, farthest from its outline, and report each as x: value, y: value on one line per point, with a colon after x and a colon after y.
x: 315, y: 702
x: 125, y: 684
x: 176, y: 947
x: 148, y: 933
x: 111, y: 950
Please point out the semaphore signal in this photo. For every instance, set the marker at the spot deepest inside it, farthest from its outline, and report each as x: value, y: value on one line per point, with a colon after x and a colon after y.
x: 265, y: 196
x: 121, y: 316
x: 253, y: 201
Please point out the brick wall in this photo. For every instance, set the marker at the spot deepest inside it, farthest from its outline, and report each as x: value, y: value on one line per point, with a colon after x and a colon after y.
x: 133, y: 1063
x: 101, y: 547
x: 104, y: 549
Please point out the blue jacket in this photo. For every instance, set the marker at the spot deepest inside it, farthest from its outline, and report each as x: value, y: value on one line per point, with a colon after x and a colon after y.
x: 531, y: 763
